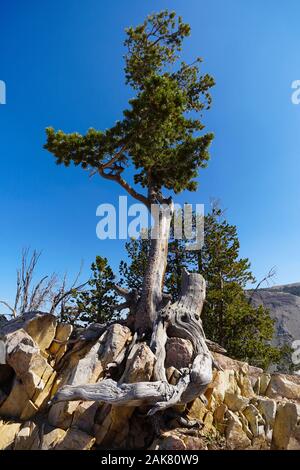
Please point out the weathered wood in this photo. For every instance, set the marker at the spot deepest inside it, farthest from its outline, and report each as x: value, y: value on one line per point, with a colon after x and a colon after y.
x: 181, y: 319
x: 151, y: 295
x: 158, y: 346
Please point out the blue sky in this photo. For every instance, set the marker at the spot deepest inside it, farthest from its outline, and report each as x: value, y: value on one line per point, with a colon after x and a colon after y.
x: 62, y: 64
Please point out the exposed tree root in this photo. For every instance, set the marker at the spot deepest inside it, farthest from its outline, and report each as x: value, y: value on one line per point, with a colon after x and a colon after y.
x: 180, y: 319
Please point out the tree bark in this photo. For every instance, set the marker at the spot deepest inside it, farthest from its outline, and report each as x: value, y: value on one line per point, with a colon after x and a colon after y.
x: 151, y: 296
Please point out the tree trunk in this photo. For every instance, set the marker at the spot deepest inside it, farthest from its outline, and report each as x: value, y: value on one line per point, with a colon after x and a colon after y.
x: 151, y: 296
x: 180, y: 319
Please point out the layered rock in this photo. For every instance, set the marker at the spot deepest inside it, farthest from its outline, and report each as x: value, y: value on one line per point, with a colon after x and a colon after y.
x: 243, y: 407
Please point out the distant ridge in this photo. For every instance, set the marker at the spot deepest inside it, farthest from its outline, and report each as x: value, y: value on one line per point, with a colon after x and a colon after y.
x: 283, y: 302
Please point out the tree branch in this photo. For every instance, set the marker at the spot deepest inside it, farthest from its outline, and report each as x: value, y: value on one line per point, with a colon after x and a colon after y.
x: 118, y: 178
x: 9, y: 307
x: 114, y: 158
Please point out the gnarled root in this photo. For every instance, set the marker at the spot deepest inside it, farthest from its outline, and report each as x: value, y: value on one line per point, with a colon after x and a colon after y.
x: 181, y: 319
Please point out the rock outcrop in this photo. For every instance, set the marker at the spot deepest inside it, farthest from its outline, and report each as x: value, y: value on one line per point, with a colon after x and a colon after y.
x: 243, y: 407
x: 283, y: 303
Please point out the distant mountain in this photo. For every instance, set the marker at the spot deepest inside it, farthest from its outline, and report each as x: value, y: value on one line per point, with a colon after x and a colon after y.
x: 283, y: 303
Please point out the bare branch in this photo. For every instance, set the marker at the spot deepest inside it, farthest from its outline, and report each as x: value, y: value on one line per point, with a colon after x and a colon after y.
x: 9, y: 307
x: 121, y: 290
x: 266, y: 279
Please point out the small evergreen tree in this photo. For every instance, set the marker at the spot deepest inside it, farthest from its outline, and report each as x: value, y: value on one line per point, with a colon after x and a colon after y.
x: 98, y: 303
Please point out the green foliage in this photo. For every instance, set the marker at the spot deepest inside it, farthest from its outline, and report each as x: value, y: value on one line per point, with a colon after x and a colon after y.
x: 98, y: 302
x: 228, y: 317
x: 159, y: 134
x: 138, y: 252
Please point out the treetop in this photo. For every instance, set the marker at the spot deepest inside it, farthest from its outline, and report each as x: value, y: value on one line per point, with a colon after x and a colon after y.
x: 160, y: 133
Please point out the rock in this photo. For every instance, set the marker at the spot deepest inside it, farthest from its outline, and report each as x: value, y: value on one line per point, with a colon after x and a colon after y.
x: 245, y: 385
x: 226, y: 363
x: 260, y: 443
x: 26, y: 436
x: 84, y: 416
x: 29, y: 411
x: 223, y: 381
x: 3, y: 397
x: 267, y: 408
x: 88, y: 367
x: 194, y: 443
x: 51, y: 438
x: 196, y: 410
x: 169, y: 441
x: 139, y: 365
x: 287, y: 386
x: 179, y: 353
x: 42, y: 329
x: 285, y: 425
x: 236, y: 438
x: 173, y: 375
x: 235, y: 402
x: 113, y: 428
x: 16, y: 401
x: 256, y: 386
x: 74, y: 439
x: 60, y: 342
x: 254, y: 419
x: 6, y: 374
x: 294, y: 442
x: 231, y: 406
x: 116, y: 338
x: 208, y: 427
x: 8, y: 432
x: 30, y: 366
x: 219, y: 414
x: 264, y: 382
x: 139, y: 436
x: 245, y: 425
x: 39, y: 326
x: 212, y: 403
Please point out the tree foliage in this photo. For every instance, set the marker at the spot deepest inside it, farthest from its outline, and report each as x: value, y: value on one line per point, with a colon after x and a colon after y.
x: 159, y: 135
x: 98, y: 301
x: 228, y: 317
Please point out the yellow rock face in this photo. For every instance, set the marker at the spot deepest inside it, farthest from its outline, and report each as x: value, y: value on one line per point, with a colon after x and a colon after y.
x: 232, y: 413
x: 42, y: 329
x: 59, y: 345
x: 285, y: 425
x: 197, y: 410
x: 235, y: 436
x: 25, y: 438
x: 75, y: 440
x: 16, y: 401
x: 52, y: 438
x: 8, y: 433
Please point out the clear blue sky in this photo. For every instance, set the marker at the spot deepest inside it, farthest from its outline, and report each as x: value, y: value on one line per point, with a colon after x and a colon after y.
x: 62, y: 63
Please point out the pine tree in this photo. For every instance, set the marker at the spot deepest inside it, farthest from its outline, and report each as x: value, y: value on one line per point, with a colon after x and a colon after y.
x: 160, y: 137
x: 98, y: 303
x: 228, y: 317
